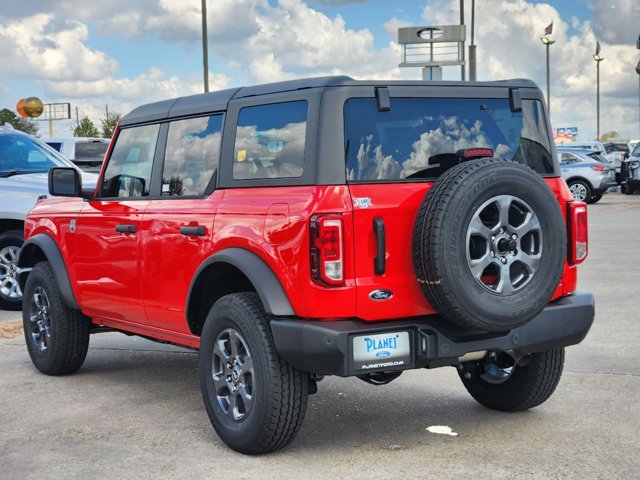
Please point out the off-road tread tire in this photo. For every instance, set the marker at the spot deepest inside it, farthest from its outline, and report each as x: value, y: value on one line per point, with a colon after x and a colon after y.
x: 70, y: 328
x: 287, y: 386
x: 430, y: 264
x: 528, y: 386
x: 11, y: 236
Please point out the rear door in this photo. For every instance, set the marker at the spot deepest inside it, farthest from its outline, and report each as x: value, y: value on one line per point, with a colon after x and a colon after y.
x: 395, y: 150
x: 178, y: 223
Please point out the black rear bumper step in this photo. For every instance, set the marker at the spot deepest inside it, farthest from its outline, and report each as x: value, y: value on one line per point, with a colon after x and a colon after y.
x: 325, y: 347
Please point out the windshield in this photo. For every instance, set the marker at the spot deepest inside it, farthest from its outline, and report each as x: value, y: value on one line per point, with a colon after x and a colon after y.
x: 22, y: 154
x: 416, y: 134
x: 636, y: 151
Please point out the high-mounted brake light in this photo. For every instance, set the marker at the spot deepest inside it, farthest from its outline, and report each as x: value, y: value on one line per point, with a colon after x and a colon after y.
x: 475, y: 152
x: 599, y: 168
x: 326, y: 242
x: 578, y: 232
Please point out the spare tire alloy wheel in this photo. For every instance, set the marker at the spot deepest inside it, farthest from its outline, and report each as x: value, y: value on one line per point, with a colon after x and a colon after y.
x: 504, y: 244
x: 10, y: 291
x: 489, y: 244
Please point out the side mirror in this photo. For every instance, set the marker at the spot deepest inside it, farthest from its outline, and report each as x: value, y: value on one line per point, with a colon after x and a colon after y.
x: 65, y: 182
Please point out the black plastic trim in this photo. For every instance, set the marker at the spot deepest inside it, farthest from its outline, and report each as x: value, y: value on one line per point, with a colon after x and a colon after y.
x: 54, y: 257
x: 260, y: 275
x: 324, y: 347
x: 380, y: 258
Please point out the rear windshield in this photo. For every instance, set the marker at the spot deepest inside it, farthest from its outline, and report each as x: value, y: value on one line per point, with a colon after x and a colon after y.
x: 91, y: 150
x: 411, y: 139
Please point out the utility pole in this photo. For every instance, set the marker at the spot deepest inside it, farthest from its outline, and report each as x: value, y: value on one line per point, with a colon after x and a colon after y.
x: 548, y: 42
x: 205, y: 46
x: 472, y: 48
x: 598, y: 58
x: 462, y: 24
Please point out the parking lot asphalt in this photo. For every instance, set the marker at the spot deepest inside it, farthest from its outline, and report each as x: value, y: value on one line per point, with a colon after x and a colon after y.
x: 135, y: 410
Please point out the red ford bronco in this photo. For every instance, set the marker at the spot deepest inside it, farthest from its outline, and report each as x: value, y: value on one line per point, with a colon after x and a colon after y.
x: 319, y: 227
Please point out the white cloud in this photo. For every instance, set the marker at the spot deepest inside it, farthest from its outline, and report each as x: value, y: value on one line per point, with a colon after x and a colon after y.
x: 616, y: 21
x: 30, y: 47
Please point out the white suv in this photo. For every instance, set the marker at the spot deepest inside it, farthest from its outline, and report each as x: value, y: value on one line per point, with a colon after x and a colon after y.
x: 24, y: 168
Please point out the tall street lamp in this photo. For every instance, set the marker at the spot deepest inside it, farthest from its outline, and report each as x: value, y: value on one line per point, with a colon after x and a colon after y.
x: 205, y: 46
x: 598, y: 58
x: 546, y: 41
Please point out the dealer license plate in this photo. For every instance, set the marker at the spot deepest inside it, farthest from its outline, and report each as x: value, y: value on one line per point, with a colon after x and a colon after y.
x: 385, y: 350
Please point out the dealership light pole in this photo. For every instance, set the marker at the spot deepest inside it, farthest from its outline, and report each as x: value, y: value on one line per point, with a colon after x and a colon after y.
x: 598, y: 58
x: 205, y: 46
x: 547, y: 42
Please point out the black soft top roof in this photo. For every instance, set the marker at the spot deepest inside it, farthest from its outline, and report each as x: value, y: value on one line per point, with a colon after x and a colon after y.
x: 218, y: 101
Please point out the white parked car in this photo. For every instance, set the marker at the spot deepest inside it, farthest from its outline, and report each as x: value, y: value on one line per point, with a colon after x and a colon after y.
x: 86, y: 152
x: 24, y: 175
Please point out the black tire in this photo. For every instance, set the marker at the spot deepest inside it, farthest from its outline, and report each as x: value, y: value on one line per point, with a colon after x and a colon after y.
x: 624, y: 189
x: 594, y: 199
x: 10, y: 292
x: 57, y: 336
x: 278, y: 392
x: 582, y: 189
x: 526, y: 387
x: 442, y: 249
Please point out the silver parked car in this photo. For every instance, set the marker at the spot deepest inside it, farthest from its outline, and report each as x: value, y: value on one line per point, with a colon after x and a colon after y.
x: 588, y: 176
x: 24, y: 167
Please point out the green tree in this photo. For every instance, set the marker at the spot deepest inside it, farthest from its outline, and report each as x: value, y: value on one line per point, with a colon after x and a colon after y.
x: 19, y: 123
x: 608, y: 135
x: 109, y: 122
x: 86, y: 128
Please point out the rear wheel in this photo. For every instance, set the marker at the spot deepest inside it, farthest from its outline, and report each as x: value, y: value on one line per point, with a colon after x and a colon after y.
x: 500, y: 384
x: 255, y: 400
x: 580, y: 190
x: 57, y: 336
x: 10, y: 291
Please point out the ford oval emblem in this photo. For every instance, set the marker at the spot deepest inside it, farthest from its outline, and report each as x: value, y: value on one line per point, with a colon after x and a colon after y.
x: 383, y: 354
x: 380, y: 295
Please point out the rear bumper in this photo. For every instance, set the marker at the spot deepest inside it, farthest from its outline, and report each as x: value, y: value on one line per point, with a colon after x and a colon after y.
x: 326, y: 347
x: 604, y: 186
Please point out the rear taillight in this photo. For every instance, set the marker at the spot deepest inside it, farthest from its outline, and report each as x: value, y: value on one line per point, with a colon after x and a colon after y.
x: 326, y: 241
x: 578, y: 232
x: 599, y: 168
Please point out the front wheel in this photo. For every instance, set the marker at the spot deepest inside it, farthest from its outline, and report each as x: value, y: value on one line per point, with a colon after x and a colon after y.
x: 10, y: 292
x: 500, y: 384
x: 256, y: 401
x: 57, y: 336
x: 594, y: 199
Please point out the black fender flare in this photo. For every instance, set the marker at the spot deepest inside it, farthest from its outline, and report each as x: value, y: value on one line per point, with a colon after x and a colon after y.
x: 51, y: 251
x: 260, y: 275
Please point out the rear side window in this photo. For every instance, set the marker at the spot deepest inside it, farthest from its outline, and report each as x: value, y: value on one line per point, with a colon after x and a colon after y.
x: 91, y: 150
x: 192, y: 156
x: 270, y: 141
x: 128, y: 173
x: 412, y: 138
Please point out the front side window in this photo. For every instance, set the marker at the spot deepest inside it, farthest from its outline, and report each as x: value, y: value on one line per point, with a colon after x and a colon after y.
x: 417, y: 135
x: 192, y: 155
x: 270, y: 141
x: 128, y: 172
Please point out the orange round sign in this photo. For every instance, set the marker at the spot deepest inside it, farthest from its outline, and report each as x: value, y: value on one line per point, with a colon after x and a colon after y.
x: 30, y: 107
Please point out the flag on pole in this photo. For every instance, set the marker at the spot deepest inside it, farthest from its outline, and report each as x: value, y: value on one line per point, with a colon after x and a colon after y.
x: 598, y: 49
x: 549, y: 29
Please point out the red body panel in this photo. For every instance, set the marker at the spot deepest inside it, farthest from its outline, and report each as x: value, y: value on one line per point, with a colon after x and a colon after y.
x: 139, y: 282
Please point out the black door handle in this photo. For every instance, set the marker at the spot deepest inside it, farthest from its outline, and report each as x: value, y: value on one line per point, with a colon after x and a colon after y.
x: 126, y: 228
x: 198, y: 230
x: 379, y: 260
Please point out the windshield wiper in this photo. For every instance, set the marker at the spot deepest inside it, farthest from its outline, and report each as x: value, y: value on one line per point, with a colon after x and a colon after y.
x: 11, y: 173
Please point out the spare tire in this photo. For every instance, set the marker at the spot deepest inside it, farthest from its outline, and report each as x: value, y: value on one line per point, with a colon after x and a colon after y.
x: 489, y: 244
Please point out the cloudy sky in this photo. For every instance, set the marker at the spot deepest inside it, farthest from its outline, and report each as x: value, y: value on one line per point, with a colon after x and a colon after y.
x: 124, y: 53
